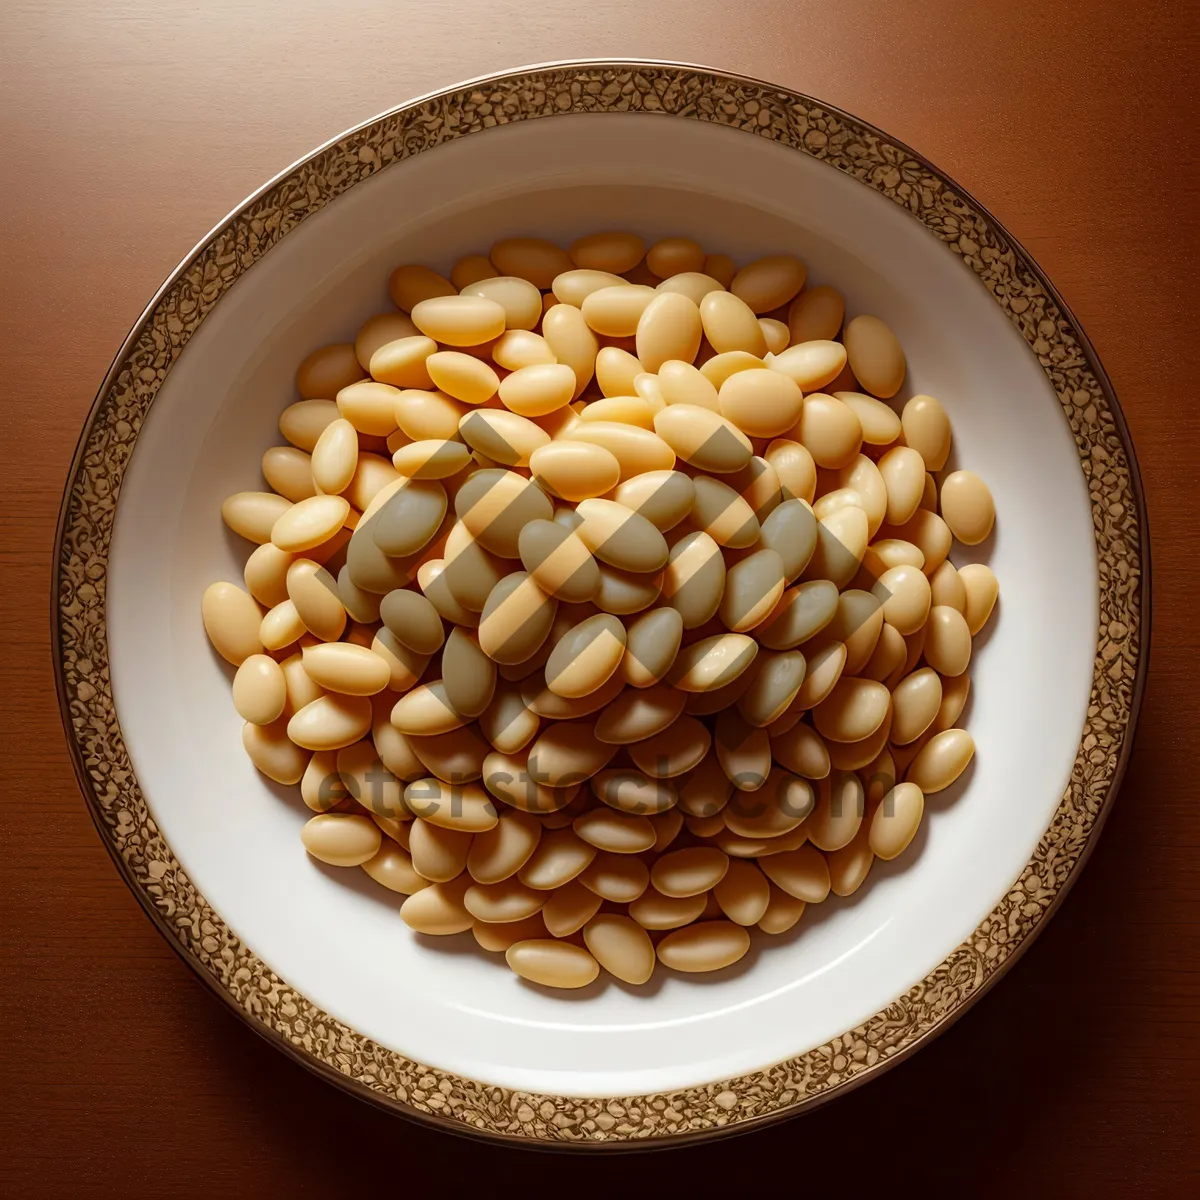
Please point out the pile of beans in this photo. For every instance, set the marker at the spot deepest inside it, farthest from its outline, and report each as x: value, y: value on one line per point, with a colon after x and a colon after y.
x: 601, y: 602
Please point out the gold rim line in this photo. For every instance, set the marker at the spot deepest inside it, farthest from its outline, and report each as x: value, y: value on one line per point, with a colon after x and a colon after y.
x: 239, y: 977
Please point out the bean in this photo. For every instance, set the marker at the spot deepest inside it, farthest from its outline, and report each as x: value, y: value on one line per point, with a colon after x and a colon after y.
x: 802, y: 873
x: 462, y: 376
x: 346, y: 668
x: 516, y: 619
x: 903, y: 472
x: 567, y: 753
x: 778, y: 807
x: 463, y: 808
x: 829, y: 430
x: 694, y: 285
x: 705, y: 946
x: 825, y: 667
x: 925, y: 531
x: 259, y: 690
x: 941, y: 760
x: 615, y: 252
x: 520, y: 300
x: 614, y: 831
x: 307, y: 524
x: 729, y: 324
x: 712, y: 662
x: 887, y: 659
x: 916, y: 700
x: 783, y: 911
x: 906, y: 597
x: 770, y: 282
x: 409, y: 285
x: 341, y: 839
x: 315, y: 595
x: 896, y: 820
x: 624, y: 592
x: 409, y: 519
x: 967, y: 507
x: 495, y: 505
x: 981, y: 590
x: 672, y: 751
x: 301, y: 423
x: 947, y: 588
x: 619, y: 878
x: 775, y: 333
x: 378, y: 331
x: 721, y: 513
x: 632, y: 792
x: 801, y: 750
x: 572, y: 342
x: 232, y: 620
x: 371, y: 476
x: 850, y: 864
x: 776, y: 683
x: 841, y: 544
x: 586, y: 657
x: 472, y: 269
x: 617, y: 311
x: 816, y: 314
x: 752, y: 589
x: 439, y: 853
x: 853, y: 710
x: 272, y: 751
x: 880, y: 424
x: 392, y: 868
x: 810, y: 365
x: 948, y: 642
x: 743, y: 750
x: 439, y: 909
x: 327, y: 370
x: 761, y: 403
x: 569, y: 908
x: 875, y: 356
x: 721, y: 267
x: 862, y: 475
x: 669, y: 327
x: 253, y: 514
x: 682, y: 383
x: 289, y: 472
x: 266, y: 576
x: 575, y: 470
x: 534, y: 259
x: 517, y: 348
x: 651, y: 645
x: 663, y: 498
x: 553, y: 707
x: 743, y: 893
x: 636, y: 715
x: 673, y: 256
x: 794, y: 465
x: 722, y: 367
x: 330, y: 722
x: 621, y: 946
x: 636, y: 450
x: 927, y: 430
x: 552, y: 963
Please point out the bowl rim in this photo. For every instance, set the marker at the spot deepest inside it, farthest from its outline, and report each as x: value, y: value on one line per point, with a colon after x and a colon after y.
x: 79, y: 641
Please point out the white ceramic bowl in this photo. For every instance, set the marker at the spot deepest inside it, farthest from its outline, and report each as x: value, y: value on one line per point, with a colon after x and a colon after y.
x: 927, y: 932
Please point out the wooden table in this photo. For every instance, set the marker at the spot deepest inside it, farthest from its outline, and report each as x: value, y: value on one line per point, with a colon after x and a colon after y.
x: 128, y: 129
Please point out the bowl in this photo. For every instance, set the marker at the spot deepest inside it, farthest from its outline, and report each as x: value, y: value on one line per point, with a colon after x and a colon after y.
x: 318, y: 960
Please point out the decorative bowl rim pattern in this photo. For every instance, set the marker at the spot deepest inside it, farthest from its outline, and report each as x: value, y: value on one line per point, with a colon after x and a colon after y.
x: 266, y: 1002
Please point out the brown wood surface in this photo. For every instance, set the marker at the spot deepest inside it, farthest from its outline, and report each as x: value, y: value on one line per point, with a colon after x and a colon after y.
x: 128, y: 128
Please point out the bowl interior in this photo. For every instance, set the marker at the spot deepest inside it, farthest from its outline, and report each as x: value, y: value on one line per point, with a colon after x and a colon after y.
x: 336, y: 936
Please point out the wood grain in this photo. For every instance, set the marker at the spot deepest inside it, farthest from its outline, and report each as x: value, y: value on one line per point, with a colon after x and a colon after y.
x: 129, y: 129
